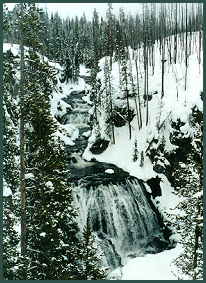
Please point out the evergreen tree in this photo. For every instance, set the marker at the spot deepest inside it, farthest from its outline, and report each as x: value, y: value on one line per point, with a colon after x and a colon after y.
x: 135, y: 154
x: 142, y: 159
x: 91, y: 262
x: 189, y: 223
x: 52, y: 243
x: 11, y: 203
x: 10, y: 235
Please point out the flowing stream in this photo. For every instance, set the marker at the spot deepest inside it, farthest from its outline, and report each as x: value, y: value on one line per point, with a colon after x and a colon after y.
x: 120, y: 211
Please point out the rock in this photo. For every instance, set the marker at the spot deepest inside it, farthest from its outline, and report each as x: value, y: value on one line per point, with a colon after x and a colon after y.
x: 120, y: 116
x: 92, y: 174
x: 154, y: 184
x: 149, y: 97
x: 157, y: 244
x: 159, y: 169
x: 99, y: 146
x: 77, y: 92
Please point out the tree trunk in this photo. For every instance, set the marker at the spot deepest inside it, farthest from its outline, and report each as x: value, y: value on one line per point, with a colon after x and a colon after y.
x: 140, y: 114
x: 111, y: 105
x: 186, y: 59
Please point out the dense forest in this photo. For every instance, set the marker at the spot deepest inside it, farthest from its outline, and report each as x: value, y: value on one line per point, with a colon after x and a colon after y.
x: 48, y: 244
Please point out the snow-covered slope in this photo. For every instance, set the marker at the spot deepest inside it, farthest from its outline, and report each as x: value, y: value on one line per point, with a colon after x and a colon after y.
x: 176, y: 104
x: 161, y: 112
x: 149, y: 267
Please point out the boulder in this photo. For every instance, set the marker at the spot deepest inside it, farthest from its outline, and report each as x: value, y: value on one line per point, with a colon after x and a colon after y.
x: 154, y: 184
x: 99, y: 146
x: 120, y: 116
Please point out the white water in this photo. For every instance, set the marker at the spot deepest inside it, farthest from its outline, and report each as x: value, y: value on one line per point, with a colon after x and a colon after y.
x: 121, y: 218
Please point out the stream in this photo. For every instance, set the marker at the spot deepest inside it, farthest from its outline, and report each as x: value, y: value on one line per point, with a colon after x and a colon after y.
x: 122, y: 216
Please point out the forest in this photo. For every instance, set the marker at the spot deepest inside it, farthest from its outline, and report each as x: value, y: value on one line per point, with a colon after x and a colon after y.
x: 98, y: 111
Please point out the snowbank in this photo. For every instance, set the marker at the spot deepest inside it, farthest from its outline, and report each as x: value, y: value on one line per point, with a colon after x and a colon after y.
x: 152, y: 266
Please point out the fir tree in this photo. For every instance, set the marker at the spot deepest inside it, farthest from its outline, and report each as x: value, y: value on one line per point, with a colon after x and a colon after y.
x: 90, y: 261
x: 11, y: 203
x: 142, y: 159
x: 135, y: 154
x: 189, y: 224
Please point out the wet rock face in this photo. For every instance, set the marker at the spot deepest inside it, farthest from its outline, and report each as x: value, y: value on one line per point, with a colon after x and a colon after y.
x: 157, y: 244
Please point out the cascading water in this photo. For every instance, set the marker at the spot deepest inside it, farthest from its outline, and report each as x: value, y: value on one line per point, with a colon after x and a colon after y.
x: 120, y: 216
x: 120, y: 213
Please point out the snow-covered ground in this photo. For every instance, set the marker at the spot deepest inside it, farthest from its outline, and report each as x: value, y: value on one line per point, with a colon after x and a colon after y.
x: 149, y: 267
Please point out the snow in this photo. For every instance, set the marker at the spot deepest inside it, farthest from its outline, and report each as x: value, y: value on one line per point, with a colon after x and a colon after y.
x: 109, y: 171
x: 6, y: 190
x: 43, y: 234
x: 67, y: 133
x: 62, y: 108
x: 152, y: 266
x: 13, y: 47
x: 86, y: 98
x: 86, y: 134
x: 119, y: 152
x: 83, y: 70
x: 29, y: 176
x: 49, y: 185
x: 168, y: 201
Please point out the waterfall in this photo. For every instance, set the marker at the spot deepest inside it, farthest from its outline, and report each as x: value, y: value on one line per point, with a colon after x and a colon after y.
x: 121, y: 218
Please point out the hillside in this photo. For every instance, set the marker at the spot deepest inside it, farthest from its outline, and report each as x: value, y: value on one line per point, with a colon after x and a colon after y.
x: 103, y: 144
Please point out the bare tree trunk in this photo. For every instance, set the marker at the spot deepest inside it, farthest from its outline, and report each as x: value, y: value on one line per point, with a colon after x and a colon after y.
x: 138, y: 95
x: 133, y: 91
x: 127, y: 97
x: 186, y: 59
x: 175, y: 38
x: 147, y: 93
x: 163, y: 69
x: 111, y: 104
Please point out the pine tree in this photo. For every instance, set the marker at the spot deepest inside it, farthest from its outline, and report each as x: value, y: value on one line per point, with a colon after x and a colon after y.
x: 11, y: 203
x: 142, y: 159
x: 135, y: 154
x: 10, y: 236
x: 22, y: 137
x: 90, y: 261
x: 52, y: 226
x: 48, y: 211
x: 189, y: 224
